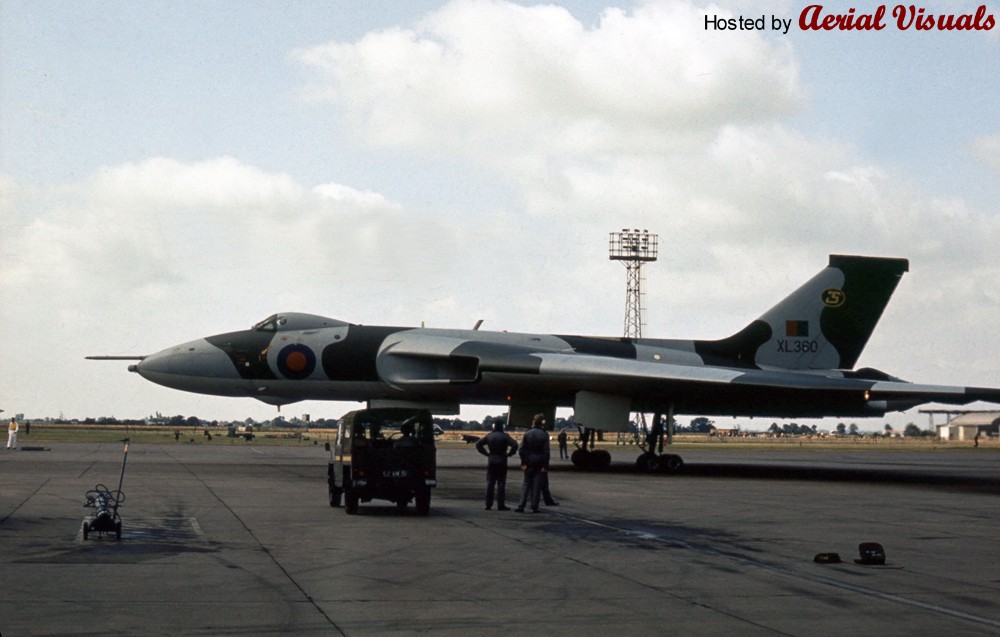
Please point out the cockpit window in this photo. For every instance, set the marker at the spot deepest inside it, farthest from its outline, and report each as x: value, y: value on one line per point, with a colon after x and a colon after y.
x: 296, y: 321
x: 270, y: 324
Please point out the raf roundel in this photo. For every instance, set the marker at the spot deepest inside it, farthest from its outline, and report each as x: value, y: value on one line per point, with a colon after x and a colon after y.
x: 296, y: 362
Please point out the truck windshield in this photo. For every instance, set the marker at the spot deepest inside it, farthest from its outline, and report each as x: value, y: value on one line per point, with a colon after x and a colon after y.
x: 385, y: 427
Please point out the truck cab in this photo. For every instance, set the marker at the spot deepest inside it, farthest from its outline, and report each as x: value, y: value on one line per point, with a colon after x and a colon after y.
x: 387, y: 454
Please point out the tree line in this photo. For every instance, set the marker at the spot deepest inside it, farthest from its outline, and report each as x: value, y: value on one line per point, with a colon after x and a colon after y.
x: 697, y: 425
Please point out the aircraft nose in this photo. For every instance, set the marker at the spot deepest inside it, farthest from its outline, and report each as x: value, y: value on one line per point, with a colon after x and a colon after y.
x: 195, y: 359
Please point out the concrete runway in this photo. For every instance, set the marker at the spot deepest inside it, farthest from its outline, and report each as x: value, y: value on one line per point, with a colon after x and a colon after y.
x: 240, y: 540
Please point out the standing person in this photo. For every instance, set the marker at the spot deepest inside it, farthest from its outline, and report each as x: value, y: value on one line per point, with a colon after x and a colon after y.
x: 12, y: 434
x: 501, y: 446
x: 534, y: 460
x: 563, y: 450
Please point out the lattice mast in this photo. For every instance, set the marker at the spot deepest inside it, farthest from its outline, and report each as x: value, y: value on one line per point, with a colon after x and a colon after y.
x: 634, y: 248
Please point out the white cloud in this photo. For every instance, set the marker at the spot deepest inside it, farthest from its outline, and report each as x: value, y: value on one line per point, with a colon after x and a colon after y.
x: 163, y: 222
x: 224, y: 184
x: 986, y: 149
x: 505, y: 84
x: 363, y: 199
x: 644, y: 119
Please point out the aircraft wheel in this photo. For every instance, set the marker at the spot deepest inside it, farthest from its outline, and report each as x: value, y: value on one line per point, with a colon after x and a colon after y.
x: 335, y: 495
x: 597, y: 460
x: 401, y: 504
x: 600, y: 459
x: 424, y: 501
x: 350, y: 502
x: 648, y: 462
x: 671, y: 463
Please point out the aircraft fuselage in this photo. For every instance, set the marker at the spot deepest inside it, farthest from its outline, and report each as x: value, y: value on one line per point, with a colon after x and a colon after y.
x: 339, y: 361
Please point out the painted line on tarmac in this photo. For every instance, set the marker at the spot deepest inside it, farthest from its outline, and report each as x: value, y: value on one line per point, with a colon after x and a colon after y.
x: 260, y: 544
x: 24, y: 501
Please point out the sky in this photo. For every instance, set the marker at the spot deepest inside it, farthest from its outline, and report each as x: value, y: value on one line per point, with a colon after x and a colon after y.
x: 170, y: 171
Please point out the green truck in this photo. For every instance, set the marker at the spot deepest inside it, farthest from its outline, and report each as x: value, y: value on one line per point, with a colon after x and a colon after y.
x: 386, y: 454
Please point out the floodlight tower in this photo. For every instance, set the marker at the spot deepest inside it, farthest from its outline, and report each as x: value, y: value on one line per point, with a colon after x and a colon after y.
x: 633, y: 248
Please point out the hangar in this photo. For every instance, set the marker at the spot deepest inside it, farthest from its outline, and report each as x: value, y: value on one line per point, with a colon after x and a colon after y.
x: 967, y: 425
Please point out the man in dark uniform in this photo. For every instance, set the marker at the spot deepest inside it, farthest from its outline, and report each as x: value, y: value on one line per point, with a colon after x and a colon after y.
x: 534, y: 461
x: 497, y: 446
x: 563, y: 447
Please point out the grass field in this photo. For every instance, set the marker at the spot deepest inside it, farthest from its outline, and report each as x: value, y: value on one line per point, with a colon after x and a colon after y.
x: 45, y: 433
x: 42, y: 434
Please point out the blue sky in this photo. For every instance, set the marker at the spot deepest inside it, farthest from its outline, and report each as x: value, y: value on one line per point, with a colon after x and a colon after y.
x: 170, y: 170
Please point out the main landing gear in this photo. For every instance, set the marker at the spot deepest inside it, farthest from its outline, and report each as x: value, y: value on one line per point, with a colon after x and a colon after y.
x: 653, y: 460
x: 586, y: 457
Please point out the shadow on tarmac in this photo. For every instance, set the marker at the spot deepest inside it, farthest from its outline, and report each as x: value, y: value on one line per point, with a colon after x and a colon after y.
x: 876, y: 475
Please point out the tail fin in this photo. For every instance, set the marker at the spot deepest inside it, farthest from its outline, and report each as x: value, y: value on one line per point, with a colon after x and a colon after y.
x: 823, y: 325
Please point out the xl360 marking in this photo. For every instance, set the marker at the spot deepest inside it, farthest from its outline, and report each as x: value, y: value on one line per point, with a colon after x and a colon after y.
x: 798, y: 347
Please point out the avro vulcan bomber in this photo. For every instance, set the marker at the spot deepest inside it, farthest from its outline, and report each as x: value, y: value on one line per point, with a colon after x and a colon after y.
x: 796, y: 361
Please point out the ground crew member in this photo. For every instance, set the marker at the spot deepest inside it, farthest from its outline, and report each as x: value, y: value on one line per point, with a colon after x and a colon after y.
x: 534, y: 461
x: 12, y: 434
x: 563, y: 447
x: 497, y: 446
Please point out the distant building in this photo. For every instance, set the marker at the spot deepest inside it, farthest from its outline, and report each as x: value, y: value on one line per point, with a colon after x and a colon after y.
x: 966, y: 426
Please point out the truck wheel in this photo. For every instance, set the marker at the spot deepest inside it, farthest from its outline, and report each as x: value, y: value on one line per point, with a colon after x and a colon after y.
x: 350, y: 502
x: 424, y: 501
